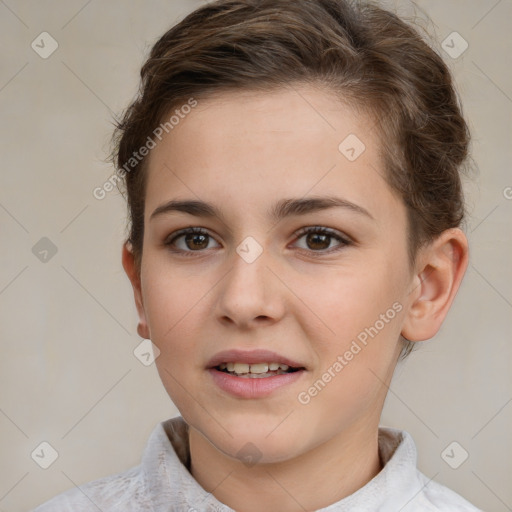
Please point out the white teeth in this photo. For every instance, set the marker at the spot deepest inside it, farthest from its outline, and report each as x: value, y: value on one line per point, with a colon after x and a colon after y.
x: 259, y: 368
x: 255, y: 368
x: 241, y: 368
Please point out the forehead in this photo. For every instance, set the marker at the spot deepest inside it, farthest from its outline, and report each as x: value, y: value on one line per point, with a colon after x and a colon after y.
x: 241, y: 148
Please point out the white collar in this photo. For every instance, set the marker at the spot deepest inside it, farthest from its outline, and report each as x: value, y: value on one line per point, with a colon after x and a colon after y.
x: 398, y: 486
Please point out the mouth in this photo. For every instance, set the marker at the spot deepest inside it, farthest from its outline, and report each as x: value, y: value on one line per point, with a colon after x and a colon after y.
x: 255, y: 374
x: 260, y: 370
x: 253, y: 364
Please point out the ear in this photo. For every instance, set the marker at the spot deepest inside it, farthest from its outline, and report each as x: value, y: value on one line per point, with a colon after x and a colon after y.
x: 439, y: 272
x: 133, y: 274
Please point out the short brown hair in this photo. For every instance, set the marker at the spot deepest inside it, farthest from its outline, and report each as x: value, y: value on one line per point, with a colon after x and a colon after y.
x: 369, y: 57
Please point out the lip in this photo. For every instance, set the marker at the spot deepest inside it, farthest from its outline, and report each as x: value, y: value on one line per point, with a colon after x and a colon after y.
x: 241, y: 387
x: 251, y: 356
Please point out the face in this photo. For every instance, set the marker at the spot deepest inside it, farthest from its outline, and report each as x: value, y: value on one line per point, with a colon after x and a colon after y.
x: 329, y: 302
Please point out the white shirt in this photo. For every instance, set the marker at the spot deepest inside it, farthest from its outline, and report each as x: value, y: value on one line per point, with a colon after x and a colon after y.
x: 162, y: 482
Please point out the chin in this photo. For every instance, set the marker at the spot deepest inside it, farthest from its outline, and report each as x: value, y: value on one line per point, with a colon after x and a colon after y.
x: 264, y: 437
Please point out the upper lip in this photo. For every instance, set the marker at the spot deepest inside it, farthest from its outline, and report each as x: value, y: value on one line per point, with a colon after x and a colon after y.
x: 251, y: 356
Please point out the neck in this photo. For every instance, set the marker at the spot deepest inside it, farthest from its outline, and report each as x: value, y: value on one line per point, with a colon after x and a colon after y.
x: 315, y: 479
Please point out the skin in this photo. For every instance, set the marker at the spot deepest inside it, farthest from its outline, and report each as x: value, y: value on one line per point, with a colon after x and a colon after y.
x: 243, y: 152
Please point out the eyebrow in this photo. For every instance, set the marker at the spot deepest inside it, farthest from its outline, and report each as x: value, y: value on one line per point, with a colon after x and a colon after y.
x: 280, y: 210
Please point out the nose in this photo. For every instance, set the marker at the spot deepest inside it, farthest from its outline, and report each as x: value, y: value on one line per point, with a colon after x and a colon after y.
x: 250, y: 294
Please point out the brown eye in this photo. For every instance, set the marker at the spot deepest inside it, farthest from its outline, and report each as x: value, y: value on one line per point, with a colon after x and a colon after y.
x: 318, y: 239
x: 188, y: 241
x: 196, y: 241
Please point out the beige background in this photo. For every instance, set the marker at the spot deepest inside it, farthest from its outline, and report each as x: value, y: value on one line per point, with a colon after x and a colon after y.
x: 68, y: 372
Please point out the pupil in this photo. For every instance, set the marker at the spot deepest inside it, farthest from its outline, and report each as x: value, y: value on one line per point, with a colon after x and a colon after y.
x: 313, y: 240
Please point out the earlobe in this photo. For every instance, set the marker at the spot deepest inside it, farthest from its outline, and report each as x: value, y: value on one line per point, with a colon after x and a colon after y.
x: 441, y: 268
x: 133, y: 274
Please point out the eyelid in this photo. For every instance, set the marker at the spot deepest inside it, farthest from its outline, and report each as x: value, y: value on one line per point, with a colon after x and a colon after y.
x: 325, y: 230
x: 186, y: 231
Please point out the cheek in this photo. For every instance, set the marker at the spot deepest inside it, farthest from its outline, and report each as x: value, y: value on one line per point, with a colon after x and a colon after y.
x: 361, y: 317
x: 354, y: 362
x: 178, y: 305
x: 173, y: 308
x: 169, y: 292
x: 350, y: 300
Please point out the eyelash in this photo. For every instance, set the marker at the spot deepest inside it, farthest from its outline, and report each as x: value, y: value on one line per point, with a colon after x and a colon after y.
x: 344, y: 241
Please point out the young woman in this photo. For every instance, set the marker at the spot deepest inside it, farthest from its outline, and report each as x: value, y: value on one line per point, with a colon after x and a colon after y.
x: 292, y: 175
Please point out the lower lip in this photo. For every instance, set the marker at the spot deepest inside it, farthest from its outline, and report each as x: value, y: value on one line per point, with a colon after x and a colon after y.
x: 244, y: 387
